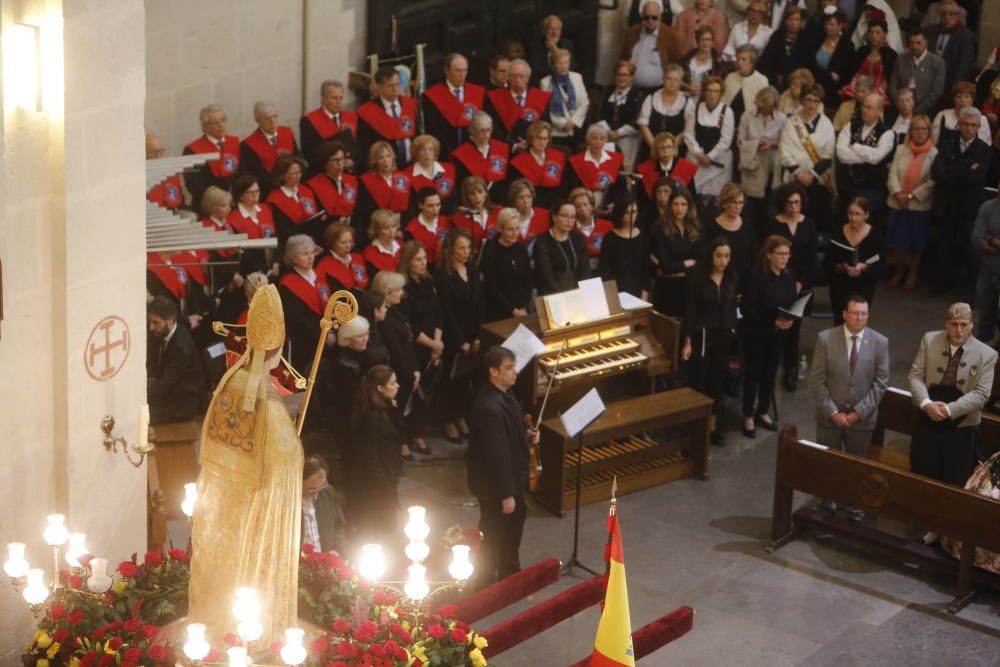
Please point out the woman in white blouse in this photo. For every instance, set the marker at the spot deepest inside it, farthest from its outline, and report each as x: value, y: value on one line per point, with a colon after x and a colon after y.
x: 946, y: 121
x: 758, y: 135
x: 805, y: 153
x: 753, y: 31
x: 709, y: 130
x: 663, y: 111
x: 569, y: 102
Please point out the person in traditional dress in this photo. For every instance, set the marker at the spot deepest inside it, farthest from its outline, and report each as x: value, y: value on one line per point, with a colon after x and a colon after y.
x: 619, y: 111
x: 569, y: 102
x: 663, y: 111
x: 805, y: 153
x: 709, y: 130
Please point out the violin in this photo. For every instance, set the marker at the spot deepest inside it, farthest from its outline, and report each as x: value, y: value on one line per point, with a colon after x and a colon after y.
x: 534, y: 467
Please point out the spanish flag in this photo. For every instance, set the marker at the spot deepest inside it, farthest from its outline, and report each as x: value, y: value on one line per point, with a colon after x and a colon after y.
x: 613, y: 644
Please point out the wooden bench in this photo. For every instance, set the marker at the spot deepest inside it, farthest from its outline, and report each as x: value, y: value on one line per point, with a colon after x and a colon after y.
x: 173, y: 464
x: 890, y: 492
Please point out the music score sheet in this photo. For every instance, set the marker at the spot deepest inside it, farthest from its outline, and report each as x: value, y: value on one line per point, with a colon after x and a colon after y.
x: 583, y: 413
x: 525, y: 345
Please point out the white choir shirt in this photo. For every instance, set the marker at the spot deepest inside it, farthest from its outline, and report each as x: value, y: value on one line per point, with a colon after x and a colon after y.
x: 588, y: 157
x: 484, y: 150
x: 310, y: 276
x: 740, y: 35
x: 335, y: 117
x: 849, y: 153
x: 252, y: 215
x: 391, y: 250
x: 219, y: 224
x: 435, y: 170
x: 648, y: 66
x: 524, y: 224
x: 290, y: 192
x: 432, y: 226
x: 654, y: 101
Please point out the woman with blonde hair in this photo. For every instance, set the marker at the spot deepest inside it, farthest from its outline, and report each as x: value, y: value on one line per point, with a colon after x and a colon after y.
x: 426, y: 172
x: 506, y: 270
x: 911, y: 196
x: 533, y: 220
x: 383, y: 252
x: 569, y: 102
x: 383, y: 186
x: 339, y: 266
x: 665, y: 163
x: 663, y: 111
x: 476, y: 215
x: 541, y: 165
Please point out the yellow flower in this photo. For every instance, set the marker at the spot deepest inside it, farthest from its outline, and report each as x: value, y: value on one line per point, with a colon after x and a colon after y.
x: 119, y: 586
x: 74, y: 661
x: 480, y: 641
x: 109, y: 650
x: 42, y: 639
x: 476, y: 656
x: 51, y: 653
x: 42, y: 663
x: 418, y: 652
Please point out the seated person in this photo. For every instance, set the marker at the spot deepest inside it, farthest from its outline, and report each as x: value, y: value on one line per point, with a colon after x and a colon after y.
x: 261, y: 149
x: 323, y: 523
x: 175, y: 384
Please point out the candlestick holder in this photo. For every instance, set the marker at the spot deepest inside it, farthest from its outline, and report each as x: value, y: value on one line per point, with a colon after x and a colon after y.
x: 111, y: 443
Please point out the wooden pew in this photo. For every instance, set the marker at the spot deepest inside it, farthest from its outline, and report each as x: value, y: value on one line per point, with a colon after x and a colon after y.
x: 173, y: 464
x: 890, y: 492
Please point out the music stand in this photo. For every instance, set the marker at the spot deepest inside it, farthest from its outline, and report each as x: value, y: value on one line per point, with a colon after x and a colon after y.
x: 591, y: 407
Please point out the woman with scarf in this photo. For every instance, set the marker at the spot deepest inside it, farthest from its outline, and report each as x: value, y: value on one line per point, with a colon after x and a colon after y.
x: 911, y: 193
x: 569, y: 102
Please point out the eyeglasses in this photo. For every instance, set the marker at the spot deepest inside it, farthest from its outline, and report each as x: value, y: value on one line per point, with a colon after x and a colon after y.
x: 650, y: 18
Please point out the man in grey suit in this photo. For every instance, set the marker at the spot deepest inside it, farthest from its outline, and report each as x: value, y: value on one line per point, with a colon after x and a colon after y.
x: 954, y: 42
x: 922, y: 72
x: 950, y: 379
x: 849, y: 374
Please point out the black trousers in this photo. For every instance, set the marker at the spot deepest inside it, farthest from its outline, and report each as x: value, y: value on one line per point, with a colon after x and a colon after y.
x: 761, y: 354
x: 709, y: 361
x: 498, y: 554
x: 790, y: 348
x: 945, y: 455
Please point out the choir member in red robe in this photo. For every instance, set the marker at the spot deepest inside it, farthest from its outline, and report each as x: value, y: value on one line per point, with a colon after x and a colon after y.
x: 516, y: 107
x: 336, y: 191
x: 330, y: 122
x: 214, y: 139
x: 595, y: 168
x: 482, y: 155
x: 449, y: 106
x: 303, y: 298
x: 261, y: 149
x: 256, y: 220
x: 665, y: 164
x: 532, y: 220
x: 383, y: 186
x: 294, y: 204
x: 429, y: 226
x: 541, y: 165
x: 339, y: 266
x: 383, y: 252
x: 390, y: 116
x: 169, y: 193
x: 427, y: 172
x: 477, y: 215
x: 170, y: 275
x: 591, y: 228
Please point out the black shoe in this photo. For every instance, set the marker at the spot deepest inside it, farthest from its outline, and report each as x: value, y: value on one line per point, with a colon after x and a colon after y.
x: 791, y: 381
x: 770, y: 426
x: 717, y: 438
x: 748, y: 432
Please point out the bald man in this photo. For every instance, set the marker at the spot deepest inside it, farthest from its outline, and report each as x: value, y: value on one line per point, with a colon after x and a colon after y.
x: 450, y: 105
x: 864, y: 147
x: 168, y: 193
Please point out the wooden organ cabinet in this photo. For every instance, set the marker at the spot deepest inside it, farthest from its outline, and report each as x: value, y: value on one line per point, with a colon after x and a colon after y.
x: 645, y: 438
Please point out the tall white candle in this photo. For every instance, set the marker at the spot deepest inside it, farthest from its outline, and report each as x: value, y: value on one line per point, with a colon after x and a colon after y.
x: 143, y: 427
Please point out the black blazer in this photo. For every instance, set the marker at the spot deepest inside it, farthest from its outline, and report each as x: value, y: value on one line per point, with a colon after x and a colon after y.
x: 497, y: 456
x: 841, y: 63
x: 507, y: 279
x: 462, y: 308
x: 375, y: 464
x: 959, y: 177
x: 777, y: 62
x: 397, y: 335
x: 175, y: 385
x: 330, y: 521
x: 560, y: 266
x: 765, y: 293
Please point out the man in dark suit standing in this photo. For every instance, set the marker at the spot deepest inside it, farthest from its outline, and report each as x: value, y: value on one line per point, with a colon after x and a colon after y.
x: 497, y: 460
x: 960, y: 171
x: 329, y: 122
x: 175, y: 384
x: 922, y: 72
x: 954, y: 42
x: 449, y: 106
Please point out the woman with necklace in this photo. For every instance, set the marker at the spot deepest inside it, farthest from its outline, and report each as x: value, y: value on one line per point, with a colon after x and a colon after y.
x: 676, y: 249
x: 560, y: 254
x: 663, y: 111
x: 730, y: 225
x: 506, y: 271
x: 854, y: 258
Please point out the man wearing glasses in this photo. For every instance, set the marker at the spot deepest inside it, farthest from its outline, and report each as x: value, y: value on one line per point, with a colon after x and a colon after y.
x: 651, y: 45
x: 213, y: 139
x: 954, y: 42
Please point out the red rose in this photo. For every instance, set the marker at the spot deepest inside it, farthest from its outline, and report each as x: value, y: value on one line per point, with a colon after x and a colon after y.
x: 399, y: 633
x: 344, y: 573
x: 341, y: 626
x: 364, y: 661
x: 347, y: 649
x: 319, y: 645
x: 178, y: 554
x: 436, y: 631
x: 98, y: 634
x: 149, y: 631
x: 76, y: 582
x: 76, y: 617
x: 370, y: 626
x: 448, y: 611
x: 377, y: 650
x: 308, y: 548
x: 128, y: 568
x: 338, y: 663
x: 153, y: 558
x: 115, y: 643
x: 60, y: 635
x: 157, y: 651
x: 129, y: 663
x: 231, y: 639
x: 458, y: 635
x: 363, y: 635
x: 106, y: 659
x: 133, y: 654
x: 57, y: 611
x: 364, y: 586
x: 131, y: 625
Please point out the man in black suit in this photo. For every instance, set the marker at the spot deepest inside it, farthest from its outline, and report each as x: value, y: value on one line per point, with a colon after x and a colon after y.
x: 954, y: 42
x: 548, y: 39
x: 960, y: 171
x: 497, y: 460
x: 175, y: 384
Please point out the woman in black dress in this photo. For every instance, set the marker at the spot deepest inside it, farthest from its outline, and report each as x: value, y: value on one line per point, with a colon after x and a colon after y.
x: 506, y: 271
x: 676, y: 246
x: 771, y: 286
x: 787, y: 49
x: 560, y: 254
x: 372, y: 486
x: 801, y: 231
x: 731, y: 226
x: 625, y: 252
x: 854, y: 258
x: 710, y: 327
x: 462, y: 314
x: 423, y: 309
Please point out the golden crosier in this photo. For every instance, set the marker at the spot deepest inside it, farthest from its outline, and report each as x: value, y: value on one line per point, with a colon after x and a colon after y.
x: 340, y: 309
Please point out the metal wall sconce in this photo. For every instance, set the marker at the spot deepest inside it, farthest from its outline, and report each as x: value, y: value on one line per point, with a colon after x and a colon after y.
x: 111, y: 443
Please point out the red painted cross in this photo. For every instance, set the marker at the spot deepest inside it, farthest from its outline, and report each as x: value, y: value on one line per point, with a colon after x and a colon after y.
x: 113, y: 350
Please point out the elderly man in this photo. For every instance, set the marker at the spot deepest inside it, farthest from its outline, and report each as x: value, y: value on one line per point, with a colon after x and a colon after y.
x: 330, y: 122
x: 516, y: 107
x: 651, y: 45
x: 920, y: 71
x: 864, y: 147
x: 954, y: 42
x: 391, y: 116
x: 951, y: 378
x: 262, y: 148
x: 481, y: 155
x: 548, y: 40
x: 450, y: 105
x: 168, y: 193
x: 960, y: 172
x: 214, y: 139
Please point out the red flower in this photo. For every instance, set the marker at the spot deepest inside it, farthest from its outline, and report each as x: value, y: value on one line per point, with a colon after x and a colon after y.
x: 436, y: 631
x: 319, y: 645
x: 128, y: 568
x: 133, y: 654
x: 76, y: 617
x: 106, y: 659
x: 129, y: 663
x: 57, y: 611
x: 115, y: 643
x: 377, y: 650
x: 153, y: 558
x: 448, y: 611
x: 98, y: 634
x: 115, y: 626
x: 76, y: 582
x: 213, y: 656
x: 364, y: 661
x: 131, y: 625
x: 157, y: 651
x: 338, y: 663
x: 347, y: 649
x: 178, y: 554
x: 344, y: 573
x: 60, y: 635
x: 275, y: 648
x: 308, y: 548
x: 363, y: 635
x: 149, y: 631
x: 231, y: 639
x: 341, y: 626
x: 364, y: 586
x: 370, y: 626
x: 399, y: 633
x: 458, y: 635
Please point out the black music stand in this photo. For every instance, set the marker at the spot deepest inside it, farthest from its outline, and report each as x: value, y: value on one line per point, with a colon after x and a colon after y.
x: 573, y: 560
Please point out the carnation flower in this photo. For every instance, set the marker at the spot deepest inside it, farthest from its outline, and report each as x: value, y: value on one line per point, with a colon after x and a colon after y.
x: 458, y: 635
x: 114, y: 643
x: 153, y: 558
x: 133, y: 654
x: 128, y: 568
x: 76, y: 617
x: 131, y: 625
x: 157, y: 651
x: 178, y: 554
x: 436, y: 631
x: 319, y: 645
x: 76, y: 582
x: 341, y: 626
x: 448, y: 611
x: 57, y: 611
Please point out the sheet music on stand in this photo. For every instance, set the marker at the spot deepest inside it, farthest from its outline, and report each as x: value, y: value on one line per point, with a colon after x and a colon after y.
x: 525, y: 345
x: 587, y: 303
x: 583, y: 413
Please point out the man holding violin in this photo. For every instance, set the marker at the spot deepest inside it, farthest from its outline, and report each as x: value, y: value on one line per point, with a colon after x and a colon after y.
x: 498, y: 462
